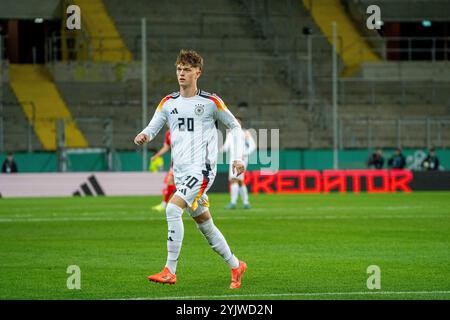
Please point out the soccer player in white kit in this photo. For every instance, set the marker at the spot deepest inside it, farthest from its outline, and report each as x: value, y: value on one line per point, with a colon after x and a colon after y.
x: 192, y: 116
x: 237, y: 185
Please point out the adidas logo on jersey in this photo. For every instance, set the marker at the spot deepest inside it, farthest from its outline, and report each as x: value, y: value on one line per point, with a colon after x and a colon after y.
x: 174, y: 111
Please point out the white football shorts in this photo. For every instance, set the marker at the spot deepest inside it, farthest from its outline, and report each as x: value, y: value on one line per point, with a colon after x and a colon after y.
x: 192, y: 189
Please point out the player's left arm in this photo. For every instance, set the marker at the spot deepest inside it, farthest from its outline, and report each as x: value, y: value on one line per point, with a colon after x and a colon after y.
x: 227, y: 118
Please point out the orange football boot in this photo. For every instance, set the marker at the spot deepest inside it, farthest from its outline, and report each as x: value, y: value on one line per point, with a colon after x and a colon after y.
x: 164, y: 276
x: 236, y: 275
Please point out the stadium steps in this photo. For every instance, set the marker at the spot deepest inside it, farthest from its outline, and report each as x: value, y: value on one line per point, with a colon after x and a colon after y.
x: 103, y: 101
x: 16, y: 128
x: 228, y: 44
x: 106, y: 42
x: 384, y: 128
x: 354, y: 50
x: 383, y: 111
x: 33, y: 86
x: 121, y: 102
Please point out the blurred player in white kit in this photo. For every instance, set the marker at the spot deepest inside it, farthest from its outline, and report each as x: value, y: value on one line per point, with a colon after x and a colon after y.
x: 237, y: 185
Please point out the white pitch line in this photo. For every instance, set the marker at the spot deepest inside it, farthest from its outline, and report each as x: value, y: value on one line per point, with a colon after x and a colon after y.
x: 62, y: 219
x: 260, y: 218
x: 297, y: 209
x: 298, y: 294
x: 300, y: 209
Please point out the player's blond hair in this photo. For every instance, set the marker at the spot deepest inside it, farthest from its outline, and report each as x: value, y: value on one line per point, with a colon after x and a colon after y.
x: 189, y: 57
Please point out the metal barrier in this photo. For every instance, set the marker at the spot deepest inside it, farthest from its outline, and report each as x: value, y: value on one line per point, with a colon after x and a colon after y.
x: 76, y: 49
x: 316, y: 54
x: 2, y: 135
x: 387, y: 48
x: 2, y: 138
x: 31, y: 123
x: 24, y: 138
x: 372, y: 91
x: 406, y: 48
x: 105, y: 146
x: 371, y: 132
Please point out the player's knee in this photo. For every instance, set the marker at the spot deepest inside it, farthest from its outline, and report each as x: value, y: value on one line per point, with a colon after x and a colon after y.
x: 173, y: 212
x: 205, y: 226
x: 203, y: 217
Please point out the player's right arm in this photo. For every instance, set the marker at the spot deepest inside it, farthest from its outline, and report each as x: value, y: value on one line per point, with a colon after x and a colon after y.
x: 155, y: 125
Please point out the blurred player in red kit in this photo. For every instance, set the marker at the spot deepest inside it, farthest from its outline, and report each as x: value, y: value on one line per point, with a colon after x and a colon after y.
x: 170, y: 188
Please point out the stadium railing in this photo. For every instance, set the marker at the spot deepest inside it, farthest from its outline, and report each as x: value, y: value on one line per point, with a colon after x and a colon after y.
x: 76, y: 49
x: 2, y: 80
x: 378, y: 91
x: 354, y: 132
x: 23, y: 138
x: 413, y: 132
x: 408, y: 48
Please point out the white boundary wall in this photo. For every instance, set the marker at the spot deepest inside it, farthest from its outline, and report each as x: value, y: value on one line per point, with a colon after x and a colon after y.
x: 82, y: 184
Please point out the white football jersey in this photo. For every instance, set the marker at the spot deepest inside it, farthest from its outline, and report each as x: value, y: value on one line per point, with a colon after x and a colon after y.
x: 193, y: 129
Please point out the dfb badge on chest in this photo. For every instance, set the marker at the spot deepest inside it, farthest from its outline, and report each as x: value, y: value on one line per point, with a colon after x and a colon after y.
x: 199, y: 109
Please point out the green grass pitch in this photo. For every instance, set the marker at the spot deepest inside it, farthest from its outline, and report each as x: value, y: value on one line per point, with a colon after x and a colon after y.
x: 296, y: 247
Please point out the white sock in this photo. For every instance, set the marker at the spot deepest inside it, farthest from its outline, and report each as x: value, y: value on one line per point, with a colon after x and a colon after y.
x: 243, y: 192
x: 175, y: 235
x: 217, y: 241
x: 234, y: 192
